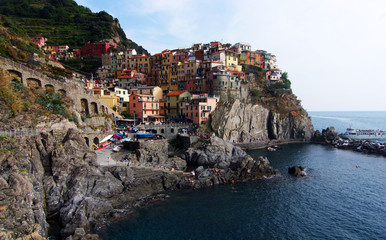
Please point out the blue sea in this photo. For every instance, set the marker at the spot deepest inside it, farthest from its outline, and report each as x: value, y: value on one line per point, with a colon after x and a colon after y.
x: 336, y: 200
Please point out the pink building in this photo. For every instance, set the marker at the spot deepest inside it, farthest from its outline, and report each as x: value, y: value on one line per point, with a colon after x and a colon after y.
x: 145, y: 107
x: 41, y: 41
x: 199, y: 107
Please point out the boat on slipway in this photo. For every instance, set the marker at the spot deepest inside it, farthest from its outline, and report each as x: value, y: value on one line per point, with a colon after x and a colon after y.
x: 358, y: 134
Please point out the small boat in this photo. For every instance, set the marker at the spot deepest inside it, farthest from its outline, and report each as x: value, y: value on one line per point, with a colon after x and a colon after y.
x: 271, y: 149
x: 358, y: 134
x: 117, y: 148
x: 106, y: 138
x: 144, y: 135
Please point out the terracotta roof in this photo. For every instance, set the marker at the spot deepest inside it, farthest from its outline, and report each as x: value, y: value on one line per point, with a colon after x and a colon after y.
x: 176, y: 93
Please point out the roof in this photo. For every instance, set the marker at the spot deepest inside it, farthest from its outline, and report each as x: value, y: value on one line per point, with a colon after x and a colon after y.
x: 176, y: 93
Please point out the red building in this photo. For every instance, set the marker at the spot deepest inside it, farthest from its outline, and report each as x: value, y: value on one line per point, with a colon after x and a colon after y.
x: 97, y: 48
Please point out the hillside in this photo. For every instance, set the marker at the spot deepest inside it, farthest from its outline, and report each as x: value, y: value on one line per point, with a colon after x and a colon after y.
x: 64, y: 22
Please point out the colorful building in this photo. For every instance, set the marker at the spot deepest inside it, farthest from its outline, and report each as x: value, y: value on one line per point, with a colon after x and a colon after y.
x: 97, y: 48
x: 175, y: 103
x: 41, y: 41
x: 145, y: 107
x: 124, y: 98
x: 110, y: 98
x: 199, y: 107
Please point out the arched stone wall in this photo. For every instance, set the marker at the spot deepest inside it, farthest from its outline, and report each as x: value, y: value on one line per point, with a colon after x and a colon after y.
x: 84, y: 104
x: 103, y: 109
x: 34, y: 83
x: 50, y: 88
x: 94, y: 108
x: 62, y: 92
x: 16, y: 75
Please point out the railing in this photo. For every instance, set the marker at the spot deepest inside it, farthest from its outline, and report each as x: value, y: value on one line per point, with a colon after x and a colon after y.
x: 29, y: 132
x: 20, y: 132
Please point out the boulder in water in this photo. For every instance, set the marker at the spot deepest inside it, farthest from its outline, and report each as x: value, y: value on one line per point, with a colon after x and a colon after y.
x: 297, y: 171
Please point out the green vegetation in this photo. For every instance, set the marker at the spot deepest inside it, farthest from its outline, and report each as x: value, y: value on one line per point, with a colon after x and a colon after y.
x: 126, y: 115
x: 277, y: 97
x: 85, y: 64
x: 54, y: 103
x: 65, y: 22
x: 14, y: 41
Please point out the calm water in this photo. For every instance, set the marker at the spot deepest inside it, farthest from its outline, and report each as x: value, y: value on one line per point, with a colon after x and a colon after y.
x: 343, y: 120
x: 335, y: 200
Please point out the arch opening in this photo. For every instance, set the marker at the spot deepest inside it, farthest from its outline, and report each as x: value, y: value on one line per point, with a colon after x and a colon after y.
x: 84, y: 104
x: 34, y: 83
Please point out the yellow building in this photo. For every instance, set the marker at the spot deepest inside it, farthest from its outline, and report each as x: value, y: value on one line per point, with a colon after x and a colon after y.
x: 166, y: 72
x: 143, y: 64
x: 110, y: 98
x: 175, y: 103
x: 231, y: 59
x: 173, y: 77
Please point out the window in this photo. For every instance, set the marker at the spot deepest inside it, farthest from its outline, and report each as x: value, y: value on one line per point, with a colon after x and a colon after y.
x: 203, y: 114
x: 134, y: 98
x: 181, y: 104
x: 144, y: 106
x: 134, y: 105
x: 196, y: 114
x: 140, y: 91
x: 124, y: 92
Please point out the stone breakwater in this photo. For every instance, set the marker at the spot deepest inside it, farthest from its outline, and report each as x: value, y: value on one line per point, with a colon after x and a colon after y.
x: 330, y: 136
x: 56, y: 178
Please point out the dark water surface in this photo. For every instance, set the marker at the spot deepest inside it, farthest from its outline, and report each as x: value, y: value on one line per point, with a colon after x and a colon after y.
x: 335, y: 200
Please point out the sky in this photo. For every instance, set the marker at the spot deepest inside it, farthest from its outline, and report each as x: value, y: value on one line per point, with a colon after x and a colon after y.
x: 333, y: 50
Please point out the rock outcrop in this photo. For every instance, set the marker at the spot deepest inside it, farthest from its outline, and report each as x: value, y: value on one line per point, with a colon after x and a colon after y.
x: 297, y: 171
x: 218, y: 158
x: 247, y: 123
x: 327, y: 135
x: 56, y: 177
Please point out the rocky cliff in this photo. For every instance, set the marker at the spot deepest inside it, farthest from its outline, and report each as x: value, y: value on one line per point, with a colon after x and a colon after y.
x: 241, y: 122
x: 55, y: 177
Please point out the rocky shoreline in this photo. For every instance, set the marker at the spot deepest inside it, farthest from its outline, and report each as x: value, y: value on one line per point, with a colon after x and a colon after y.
x: 54, y: 177
x: 330, y: 136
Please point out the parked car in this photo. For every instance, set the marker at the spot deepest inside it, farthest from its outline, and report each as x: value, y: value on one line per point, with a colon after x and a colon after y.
x: 133, y: 129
